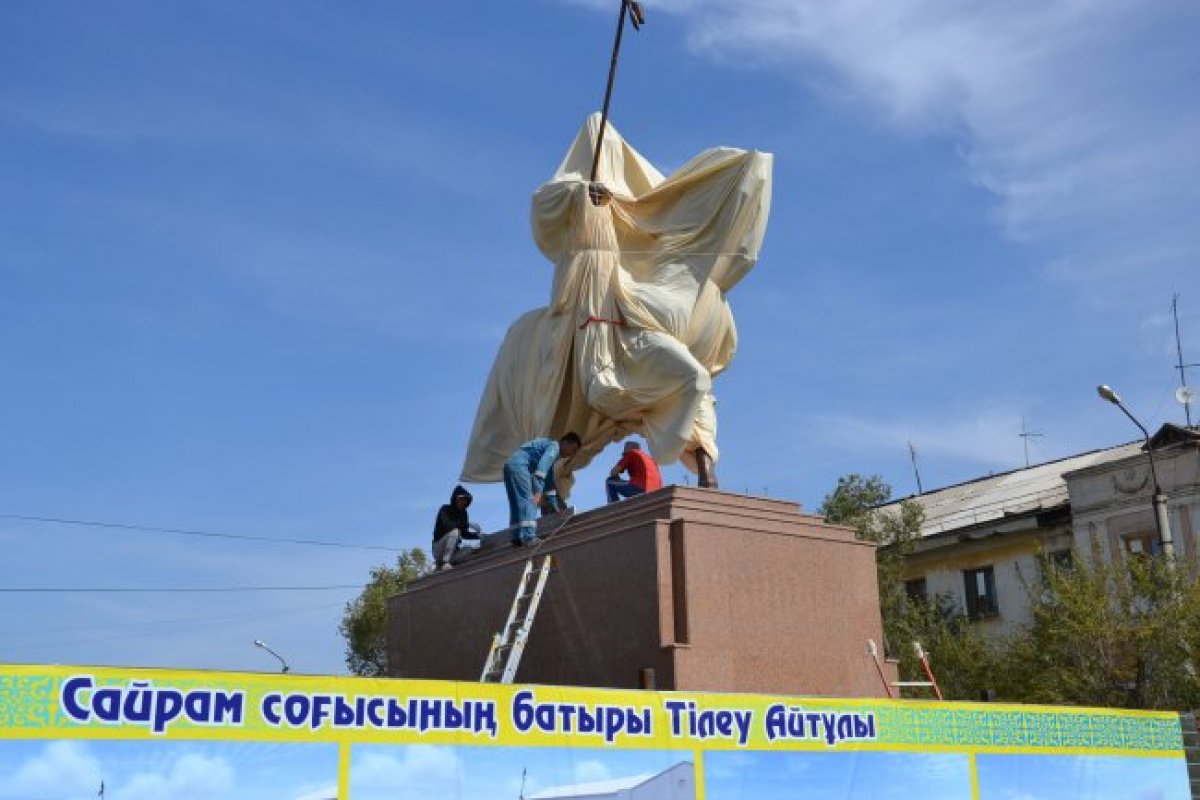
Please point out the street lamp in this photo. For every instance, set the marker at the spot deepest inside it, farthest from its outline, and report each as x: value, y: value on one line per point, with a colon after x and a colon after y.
x: 1161, y: 521
x: 263, y: 645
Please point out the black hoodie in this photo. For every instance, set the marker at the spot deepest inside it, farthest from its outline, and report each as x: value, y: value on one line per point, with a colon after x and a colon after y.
x: 449, y: 517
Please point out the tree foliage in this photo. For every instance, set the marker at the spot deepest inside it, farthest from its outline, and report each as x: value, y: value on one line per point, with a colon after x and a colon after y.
x: 962, y: 656
x: 364, y: 621
x: 964, y: 660
x: 1121, y: 633
x: 854, y: 499
x: 1107, y: 633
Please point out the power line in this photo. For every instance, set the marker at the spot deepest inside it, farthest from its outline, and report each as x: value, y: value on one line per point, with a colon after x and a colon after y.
x: 186, y: 532
x: 176, y: 621
x: 192, y: 624
x: 169, y: 590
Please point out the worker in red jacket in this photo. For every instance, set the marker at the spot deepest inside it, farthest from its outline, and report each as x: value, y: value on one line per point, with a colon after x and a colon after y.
x: 643, y: 474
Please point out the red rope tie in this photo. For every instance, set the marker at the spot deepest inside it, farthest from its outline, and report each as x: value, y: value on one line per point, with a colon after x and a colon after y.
x: 590, y: 320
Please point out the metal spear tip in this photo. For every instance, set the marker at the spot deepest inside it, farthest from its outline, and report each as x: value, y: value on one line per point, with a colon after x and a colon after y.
x: 1108, y: 394
x: 636, y: 15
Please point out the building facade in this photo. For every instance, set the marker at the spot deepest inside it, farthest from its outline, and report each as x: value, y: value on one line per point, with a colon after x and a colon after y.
x: 981, y: 540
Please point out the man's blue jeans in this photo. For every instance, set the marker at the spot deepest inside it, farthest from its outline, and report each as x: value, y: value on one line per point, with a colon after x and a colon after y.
x: 518, y: 485
x: 619, y: 489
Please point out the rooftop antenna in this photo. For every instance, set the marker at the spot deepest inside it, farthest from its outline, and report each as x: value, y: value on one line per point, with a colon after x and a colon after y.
x: 1185, y: 394
x: 912, y: 454
x: 1026, y: 435
x: 637, y: 17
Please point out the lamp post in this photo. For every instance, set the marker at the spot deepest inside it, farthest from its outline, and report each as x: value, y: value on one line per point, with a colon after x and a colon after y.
x: 1161, y: 522
x: 263, y: 645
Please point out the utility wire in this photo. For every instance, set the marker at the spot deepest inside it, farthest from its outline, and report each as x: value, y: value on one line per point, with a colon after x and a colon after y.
x: 186, y: 532
x: 174, y: 622
x: 193, y: 625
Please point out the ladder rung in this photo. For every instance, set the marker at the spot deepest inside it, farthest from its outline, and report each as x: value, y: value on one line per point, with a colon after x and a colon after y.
x: 912, y: 683
x: 508, y: 645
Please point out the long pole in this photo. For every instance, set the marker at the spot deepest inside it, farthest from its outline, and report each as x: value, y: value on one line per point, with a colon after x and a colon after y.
x: 1187, y: 407
x: 1025, y: 436
x: 1161, y: 522
x: 612, y: 77
x: 912, y: 454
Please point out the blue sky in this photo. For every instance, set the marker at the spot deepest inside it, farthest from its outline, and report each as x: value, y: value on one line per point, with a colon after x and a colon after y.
x: 1083, y: 777
x: 153, y: 770
x: 836, y: 776
x: 256, y: 259
x: 484, y: 773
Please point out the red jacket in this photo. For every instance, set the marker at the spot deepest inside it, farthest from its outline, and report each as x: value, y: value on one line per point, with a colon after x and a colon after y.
x: 642, y: 470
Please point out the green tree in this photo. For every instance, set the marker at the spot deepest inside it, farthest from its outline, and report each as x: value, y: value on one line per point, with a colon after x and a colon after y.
x: 1107, y: 633
x: 364, y: 621
x: 853, y: 499
x: 962, y: 659
x: 855, y: 502
x: 1120, y: 634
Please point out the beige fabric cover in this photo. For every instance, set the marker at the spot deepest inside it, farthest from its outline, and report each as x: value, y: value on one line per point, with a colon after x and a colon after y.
x: 638, y: 323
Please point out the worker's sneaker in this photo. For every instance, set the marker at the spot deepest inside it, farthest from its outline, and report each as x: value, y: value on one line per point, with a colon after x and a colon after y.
x: 445, y: 567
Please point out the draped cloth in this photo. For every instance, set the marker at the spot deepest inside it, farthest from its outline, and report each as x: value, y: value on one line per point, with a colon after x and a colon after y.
x: 638, y: 322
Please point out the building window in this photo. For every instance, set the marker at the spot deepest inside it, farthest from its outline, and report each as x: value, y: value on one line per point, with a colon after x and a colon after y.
x: 1062, y: 559
x: 1140, y: 544
x: 981, y: 593
x: 915, y: 589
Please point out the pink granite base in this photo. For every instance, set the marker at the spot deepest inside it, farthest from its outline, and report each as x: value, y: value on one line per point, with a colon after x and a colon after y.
x: 712, y: 591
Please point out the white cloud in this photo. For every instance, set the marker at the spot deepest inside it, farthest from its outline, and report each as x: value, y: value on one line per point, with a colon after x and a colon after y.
x: 591, y: 771
x: 422, y: 768
x: 324, y: 793
x: 987, y: 437
x: 60, y: 770
x: 1079, y: 115
x: 190, y: 777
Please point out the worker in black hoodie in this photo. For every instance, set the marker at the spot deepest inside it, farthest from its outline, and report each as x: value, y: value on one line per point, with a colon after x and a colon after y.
x: 451, y: 527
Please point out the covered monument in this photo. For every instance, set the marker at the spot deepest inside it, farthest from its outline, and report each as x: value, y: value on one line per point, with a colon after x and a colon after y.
x: 638, y: 323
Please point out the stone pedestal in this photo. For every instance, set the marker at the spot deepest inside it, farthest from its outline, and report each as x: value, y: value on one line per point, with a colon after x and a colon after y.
x: 712, y: 591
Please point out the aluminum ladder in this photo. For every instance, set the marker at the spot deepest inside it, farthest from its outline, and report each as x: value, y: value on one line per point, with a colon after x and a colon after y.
x: 509, y: 643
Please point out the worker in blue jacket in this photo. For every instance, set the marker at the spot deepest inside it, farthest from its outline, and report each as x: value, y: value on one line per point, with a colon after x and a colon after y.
x: 526, y: 474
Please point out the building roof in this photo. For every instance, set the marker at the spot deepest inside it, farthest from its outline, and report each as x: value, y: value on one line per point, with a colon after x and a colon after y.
x: 609, y: 787
x: 593, y: 788
x: 1031, y: 490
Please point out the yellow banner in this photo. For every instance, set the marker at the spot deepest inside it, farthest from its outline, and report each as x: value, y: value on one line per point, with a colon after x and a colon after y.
x: 350, y: 737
